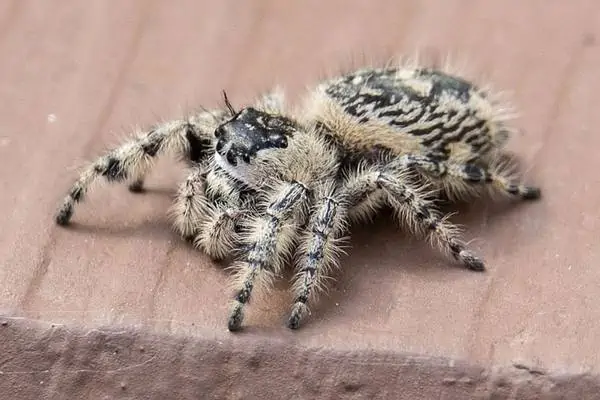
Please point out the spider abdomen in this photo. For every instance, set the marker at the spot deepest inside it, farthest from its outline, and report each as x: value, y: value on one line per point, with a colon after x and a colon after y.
x: 412, y: 110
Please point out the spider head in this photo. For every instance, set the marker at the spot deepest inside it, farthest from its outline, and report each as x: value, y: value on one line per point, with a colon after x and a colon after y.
x: 249, y: 132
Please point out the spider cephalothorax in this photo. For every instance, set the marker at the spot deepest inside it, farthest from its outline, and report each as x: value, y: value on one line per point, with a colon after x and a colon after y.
x: 269, y: 186
x: 248, y: 133
x: 251, y: 131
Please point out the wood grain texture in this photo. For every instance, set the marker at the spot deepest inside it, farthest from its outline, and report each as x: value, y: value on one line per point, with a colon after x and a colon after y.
x: 76, y: 76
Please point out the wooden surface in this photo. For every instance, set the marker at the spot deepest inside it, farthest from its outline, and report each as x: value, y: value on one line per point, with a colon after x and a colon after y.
x: 76, y: 76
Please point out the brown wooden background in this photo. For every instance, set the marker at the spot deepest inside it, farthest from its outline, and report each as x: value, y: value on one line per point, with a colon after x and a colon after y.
x: 75, y: 76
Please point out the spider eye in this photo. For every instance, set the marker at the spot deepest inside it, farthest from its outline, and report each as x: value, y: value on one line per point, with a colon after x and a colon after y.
x: 280, y: 141
x: 231, y: 158
x: 219, y: 131
x: 220, y: 145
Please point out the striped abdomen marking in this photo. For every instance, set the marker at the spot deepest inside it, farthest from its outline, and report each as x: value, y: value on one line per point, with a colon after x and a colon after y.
x: 437, y: 109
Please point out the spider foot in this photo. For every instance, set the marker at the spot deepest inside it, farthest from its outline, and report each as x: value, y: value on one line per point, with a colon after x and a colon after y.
x: 236, y: 317
x: 137, y: 186
x: 299, y: 311
x: 471, y: 262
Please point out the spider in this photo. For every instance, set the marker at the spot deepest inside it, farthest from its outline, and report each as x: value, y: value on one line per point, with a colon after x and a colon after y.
x: 270, y: 184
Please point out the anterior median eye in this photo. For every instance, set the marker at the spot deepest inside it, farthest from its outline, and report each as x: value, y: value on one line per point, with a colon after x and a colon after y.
x: 231, y: 158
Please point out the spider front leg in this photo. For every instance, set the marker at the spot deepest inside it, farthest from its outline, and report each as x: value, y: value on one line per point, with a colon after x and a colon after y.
x: 318, y: 252
x: 191, y: 139
x: 460, y: 177
x: 268, y: 244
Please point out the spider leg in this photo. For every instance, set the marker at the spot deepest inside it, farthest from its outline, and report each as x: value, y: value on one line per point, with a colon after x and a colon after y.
x: 190, y: 204
x: 207, y: 211
x: 269, y: 242
x: 318, y: 252
x: 190, y: 138
x: 412, y: 205
x: 460, y: 177
x: 364, y: 190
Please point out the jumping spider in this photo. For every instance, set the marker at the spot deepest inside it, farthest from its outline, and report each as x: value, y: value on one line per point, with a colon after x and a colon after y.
x: 268, y: 183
